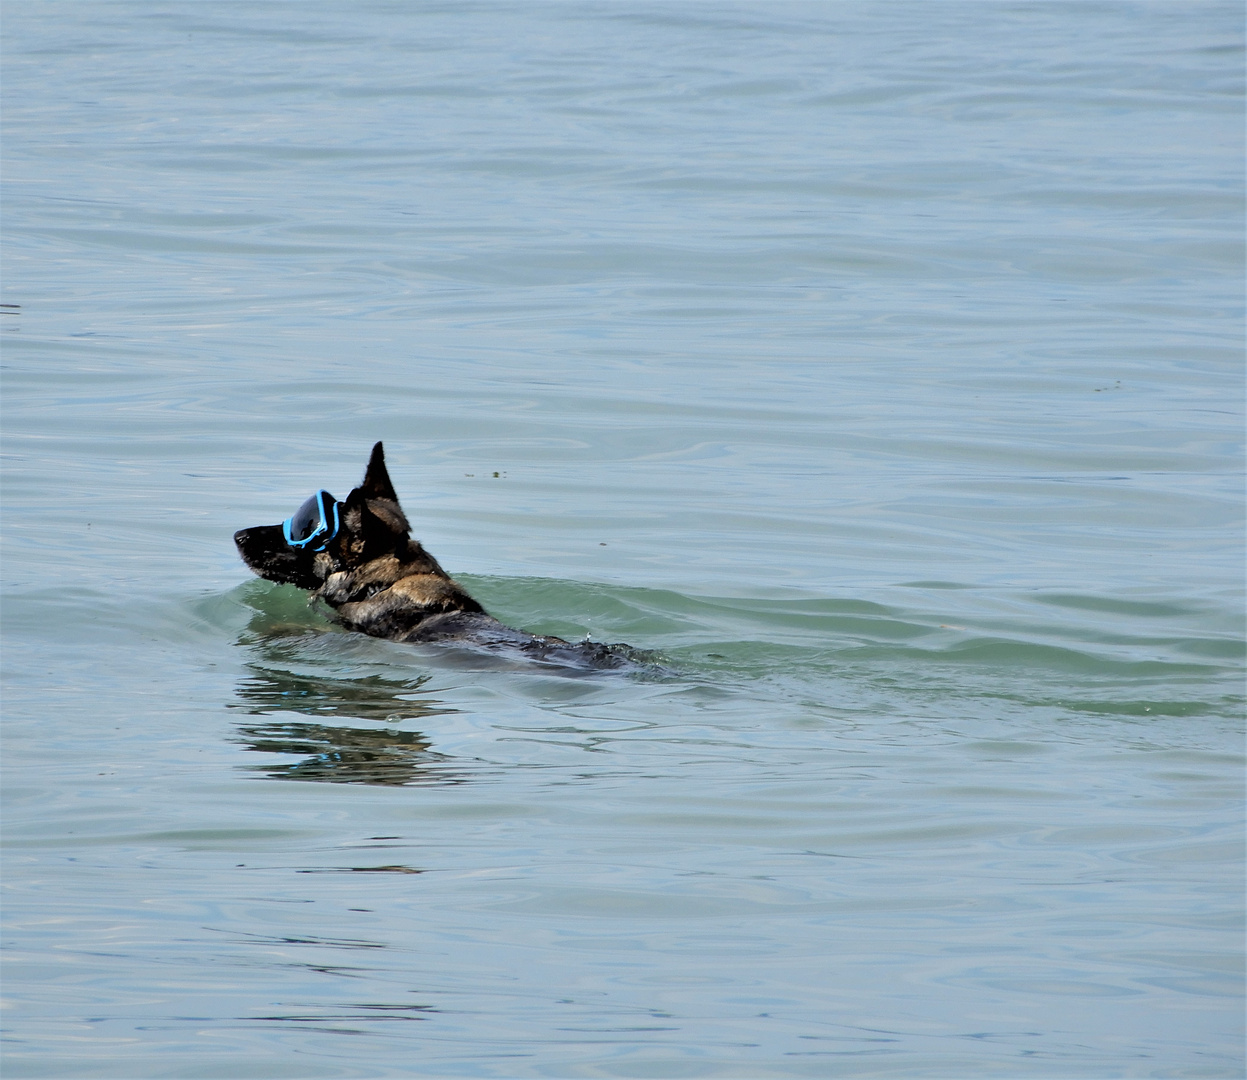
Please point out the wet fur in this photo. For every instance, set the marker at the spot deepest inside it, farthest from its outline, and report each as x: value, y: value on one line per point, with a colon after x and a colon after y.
x: 383, y: 583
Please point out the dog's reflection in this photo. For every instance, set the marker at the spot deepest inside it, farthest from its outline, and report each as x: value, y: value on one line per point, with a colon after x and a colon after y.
x: 338, y: 753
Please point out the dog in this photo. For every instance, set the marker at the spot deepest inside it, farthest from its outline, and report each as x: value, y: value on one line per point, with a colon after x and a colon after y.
x: 359, y: 558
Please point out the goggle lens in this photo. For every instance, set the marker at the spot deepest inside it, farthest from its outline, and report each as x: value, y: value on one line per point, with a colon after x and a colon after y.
x: 315, y: 522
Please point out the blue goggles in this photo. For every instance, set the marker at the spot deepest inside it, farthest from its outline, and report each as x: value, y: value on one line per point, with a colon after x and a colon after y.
x: 314, y: 524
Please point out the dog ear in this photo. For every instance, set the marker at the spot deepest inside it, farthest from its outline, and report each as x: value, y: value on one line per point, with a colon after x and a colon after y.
x: 373, y: 536
x: 377, y: 483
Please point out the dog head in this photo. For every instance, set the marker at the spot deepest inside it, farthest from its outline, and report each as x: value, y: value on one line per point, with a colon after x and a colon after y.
x: 369, y: 526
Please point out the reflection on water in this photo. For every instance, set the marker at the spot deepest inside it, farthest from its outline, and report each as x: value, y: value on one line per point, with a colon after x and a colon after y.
x: 346, y: 755
x: 342, y: 1021
x: 369, y: 697
x: 334, y: 753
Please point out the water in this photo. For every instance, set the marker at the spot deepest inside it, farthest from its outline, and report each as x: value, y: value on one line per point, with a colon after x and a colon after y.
x: 879, y: 366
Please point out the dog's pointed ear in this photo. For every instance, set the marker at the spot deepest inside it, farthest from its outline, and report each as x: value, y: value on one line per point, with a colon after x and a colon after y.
x: 367, y: 535
x: 377, y: 483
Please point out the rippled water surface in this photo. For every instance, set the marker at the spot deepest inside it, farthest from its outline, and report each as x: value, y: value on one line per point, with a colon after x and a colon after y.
x: 877, y: 366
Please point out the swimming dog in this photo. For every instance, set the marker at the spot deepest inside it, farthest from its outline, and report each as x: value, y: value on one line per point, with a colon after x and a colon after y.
x: 359, y: 558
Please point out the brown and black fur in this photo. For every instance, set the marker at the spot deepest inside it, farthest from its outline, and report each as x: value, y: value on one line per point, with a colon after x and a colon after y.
x: 383, y: 583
